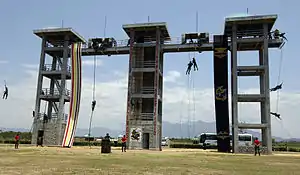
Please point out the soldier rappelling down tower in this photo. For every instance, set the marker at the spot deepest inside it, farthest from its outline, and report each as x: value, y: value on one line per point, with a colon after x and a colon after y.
x: 276, y: 115
x: 277, y: 34
x: 5, y: 94
x: 188, y: 70
x: 195, y: 64
x: 276, y: 87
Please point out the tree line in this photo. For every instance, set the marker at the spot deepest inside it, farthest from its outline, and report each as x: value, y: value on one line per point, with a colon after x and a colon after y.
x: 10, y: 135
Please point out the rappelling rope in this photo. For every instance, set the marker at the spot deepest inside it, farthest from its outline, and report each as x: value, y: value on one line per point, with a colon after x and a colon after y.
x: 93, y: 101
x: 279, y: 79
x: 180, y: 116
x: 194, y: 104
x: 189, y: 99
x: 278, y: 92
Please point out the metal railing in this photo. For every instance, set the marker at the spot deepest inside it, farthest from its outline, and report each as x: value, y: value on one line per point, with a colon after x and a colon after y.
x: 143, y: 64
x: 53, y: 118
x: 146, y: 64
x: 50, y: 67
x: 53, y: 92
x: 250, y: 33
x: 173, y: 40
x: 146, y: 90
x: 124, y: 42
x: 142, y: 116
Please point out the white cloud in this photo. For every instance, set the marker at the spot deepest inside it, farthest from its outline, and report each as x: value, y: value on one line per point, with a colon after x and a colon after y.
x: 111, y: 105
x: 90, y: 62
x: 31, y: 66
x: 172, y: 76
x: 3, y: 61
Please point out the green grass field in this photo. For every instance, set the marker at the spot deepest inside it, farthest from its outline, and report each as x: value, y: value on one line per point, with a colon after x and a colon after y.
x: 82, y: 160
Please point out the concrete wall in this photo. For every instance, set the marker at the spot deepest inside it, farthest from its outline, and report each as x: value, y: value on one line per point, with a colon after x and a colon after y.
x: 250, y: 150
x: 52, y: 137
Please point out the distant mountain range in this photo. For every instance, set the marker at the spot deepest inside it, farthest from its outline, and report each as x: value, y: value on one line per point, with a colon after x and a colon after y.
x: 169, y: 130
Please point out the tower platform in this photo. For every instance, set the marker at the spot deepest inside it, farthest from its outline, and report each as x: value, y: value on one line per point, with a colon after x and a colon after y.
x: 148, y: 30
x: 56, y: 36
x: 249, y: 31
x: 249, y: 25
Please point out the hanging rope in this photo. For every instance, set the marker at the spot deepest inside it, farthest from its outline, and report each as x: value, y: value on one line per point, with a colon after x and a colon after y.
x: 278, y: 92
x: 194, y: 104
x: 93, y: 101
x: 180, y: 117
x: 279, y: 79
x: 189, y: 99
x: 284, y: 128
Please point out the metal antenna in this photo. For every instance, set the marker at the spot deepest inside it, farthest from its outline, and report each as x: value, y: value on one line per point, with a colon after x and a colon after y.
x: 62, y: 23
x: 105, y: 22
x: 197, y: 21
x: 247, y: 11
x: 148, y: 18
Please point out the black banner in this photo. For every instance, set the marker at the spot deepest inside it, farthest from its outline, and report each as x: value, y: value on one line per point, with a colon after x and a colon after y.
x: 221, y: 92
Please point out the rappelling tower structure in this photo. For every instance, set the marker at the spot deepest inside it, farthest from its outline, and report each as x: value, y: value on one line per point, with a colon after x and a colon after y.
x: 148, y: 42
x: 49, y: 123
x: 251, y: 34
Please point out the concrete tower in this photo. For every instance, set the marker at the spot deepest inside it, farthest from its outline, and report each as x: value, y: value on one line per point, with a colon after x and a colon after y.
x: 243, y: 32
x: 145, y: 85
x: 49, y: 123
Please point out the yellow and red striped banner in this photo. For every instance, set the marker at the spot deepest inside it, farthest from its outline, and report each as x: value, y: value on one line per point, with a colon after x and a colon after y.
x: 75, y: 96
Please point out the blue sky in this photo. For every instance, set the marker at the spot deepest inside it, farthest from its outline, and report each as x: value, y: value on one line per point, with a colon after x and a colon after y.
x: 20, y: 46
x: 18, y: 19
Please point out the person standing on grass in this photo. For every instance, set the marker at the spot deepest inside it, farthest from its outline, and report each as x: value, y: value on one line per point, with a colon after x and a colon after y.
x: 124, y: 139
x: 256, y: 147
x: 17, y: 140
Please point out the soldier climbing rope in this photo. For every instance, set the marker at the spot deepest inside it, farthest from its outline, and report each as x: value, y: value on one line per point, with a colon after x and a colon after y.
x: 93, y: 100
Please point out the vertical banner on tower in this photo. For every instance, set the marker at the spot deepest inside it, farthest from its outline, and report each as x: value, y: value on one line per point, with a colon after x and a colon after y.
x: 221, y: 92
x: 75, y: 95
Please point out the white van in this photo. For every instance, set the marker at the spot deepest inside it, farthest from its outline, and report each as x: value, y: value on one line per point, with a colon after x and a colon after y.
x: 164, y: 141
x: 210, y: 139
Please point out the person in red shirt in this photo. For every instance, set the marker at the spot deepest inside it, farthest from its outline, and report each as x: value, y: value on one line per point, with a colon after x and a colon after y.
x: 17, y: 140
x: 124, y: 139
x: 256, y: 147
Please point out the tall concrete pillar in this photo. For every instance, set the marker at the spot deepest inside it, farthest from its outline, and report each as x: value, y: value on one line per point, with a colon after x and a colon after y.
x: 234, y: 90
x: 262, y: 91
x: 268, y: 134
x: 128, y: 111
x: 156, y: 122
x: 36, y: 123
